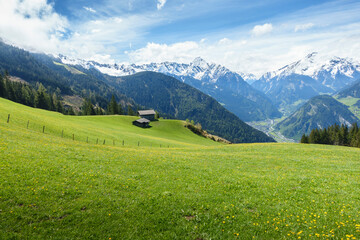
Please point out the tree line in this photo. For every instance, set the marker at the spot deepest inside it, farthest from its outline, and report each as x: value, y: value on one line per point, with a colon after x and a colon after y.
x: 26, y: 94
x: 334, y: 135
x: 113, y: 108
x: 39, y: 97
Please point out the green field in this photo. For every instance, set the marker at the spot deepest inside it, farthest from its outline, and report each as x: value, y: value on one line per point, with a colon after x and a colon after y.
x: 56, y: 188
x: 350, y: 102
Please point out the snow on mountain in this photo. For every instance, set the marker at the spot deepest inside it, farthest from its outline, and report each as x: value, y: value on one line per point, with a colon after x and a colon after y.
x: 226, y: 86
x: 248, y: 77
x: 198, y: 69
x: 333, y: 72
x: 313, y: 75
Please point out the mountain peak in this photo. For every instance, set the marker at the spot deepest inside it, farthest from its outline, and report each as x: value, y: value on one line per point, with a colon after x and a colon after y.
x: 312, y: 55
x: 200, y: 62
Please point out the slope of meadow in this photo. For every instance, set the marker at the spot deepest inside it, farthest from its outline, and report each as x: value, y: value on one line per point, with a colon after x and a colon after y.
x: 92, y: 129
x: 57, y: 188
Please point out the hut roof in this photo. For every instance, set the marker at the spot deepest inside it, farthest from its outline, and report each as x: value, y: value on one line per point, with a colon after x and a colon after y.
x: 146, y: 112
x: 143, y: 120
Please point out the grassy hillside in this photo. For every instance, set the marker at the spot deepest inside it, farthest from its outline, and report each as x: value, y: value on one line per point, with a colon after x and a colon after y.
x: 352, y: 103
x: 99, y: 128
x: 57, y: 188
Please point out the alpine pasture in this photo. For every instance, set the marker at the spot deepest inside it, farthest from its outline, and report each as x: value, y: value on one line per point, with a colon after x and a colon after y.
x: 54, y: 187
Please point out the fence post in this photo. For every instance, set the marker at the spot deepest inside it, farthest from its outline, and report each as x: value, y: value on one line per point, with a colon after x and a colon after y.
x: 104, y: 142
x: 73, y: 137
x: 123, y: 142
x: 8, y: 120
x: 138, y: 143
x: 27, y: 125
x: 97, y: 141
x: 87, y: 139
x: 43, y: 129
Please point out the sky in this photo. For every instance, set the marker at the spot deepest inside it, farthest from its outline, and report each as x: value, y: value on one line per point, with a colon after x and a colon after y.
x: 244, y: 36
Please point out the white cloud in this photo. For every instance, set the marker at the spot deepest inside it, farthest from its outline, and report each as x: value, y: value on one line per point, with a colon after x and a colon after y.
x: 34, y: 25
x: 31, y: 24
x: 259, y: 30
x: 153, y: 52
x: 303, y: 27
x: 224, y: 41
x: 160, y: 4
x: 90, y: 9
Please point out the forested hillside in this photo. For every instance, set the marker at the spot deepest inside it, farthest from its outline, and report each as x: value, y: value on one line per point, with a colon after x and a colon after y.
x: 167, y: 94
x: 40, y: 68
x: 319, y: 112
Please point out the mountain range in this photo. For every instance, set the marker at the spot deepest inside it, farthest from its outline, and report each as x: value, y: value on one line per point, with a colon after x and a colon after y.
x: 171, y: 97
x: 286, y: 89
x: 226, y: 86
x: 308, y: 77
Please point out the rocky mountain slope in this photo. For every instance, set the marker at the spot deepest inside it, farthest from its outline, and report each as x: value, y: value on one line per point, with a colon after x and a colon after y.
x: 319, y: 112
x: 227, y: 87
x: 308, y: 77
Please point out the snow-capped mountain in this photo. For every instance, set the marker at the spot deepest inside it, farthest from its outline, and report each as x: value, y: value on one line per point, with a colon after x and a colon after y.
x: 248, y: 77
x: 198, y: 69
x: 228, y: 87
x: 313, y: 75
x: 333, y: 72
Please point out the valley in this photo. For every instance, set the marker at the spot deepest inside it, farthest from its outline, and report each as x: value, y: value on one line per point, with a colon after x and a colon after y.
x: 268, y: 127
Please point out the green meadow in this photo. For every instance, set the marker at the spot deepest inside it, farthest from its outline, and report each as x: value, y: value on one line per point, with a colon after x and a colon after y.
x: 54, y: 187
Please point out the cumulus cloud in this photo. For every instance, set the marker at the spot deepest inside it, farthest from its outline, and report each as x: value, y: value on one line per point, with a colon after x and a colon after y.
x: 154, y: 52
x: 224, y: 41
x: 31, y: 24
x: 161, y: 4
x: 90, y: 9
x: 259, y: 30
x: 303, y: 27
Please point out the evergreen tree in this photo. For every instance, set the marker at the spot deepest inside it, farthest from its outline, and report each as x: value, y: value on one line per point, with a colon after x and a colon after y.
x: 99, y: 111
x: 304, y: 139
x: 10, y: 94
x: 353, y: 132
x: 120, y: 109
x: 2, y: 86
x: 335, y: 135
x: 88, y: 108
x: 41, y: 100
x: 324, y: 136
x: 314, y: 136
x: 113, y: 106
x: 130, y: 111
x: 344, y: 131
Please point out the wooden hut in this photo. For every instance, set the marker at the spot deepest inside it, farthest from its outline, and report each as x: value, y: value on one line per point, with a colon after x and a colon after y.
x: 148, y: 114
x: 142, y: 122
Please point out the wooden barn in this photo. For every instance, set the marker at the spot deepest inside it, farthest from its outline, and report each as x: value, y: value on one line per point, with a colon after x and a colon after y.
x: 142, y: 122
x: 148, y: 114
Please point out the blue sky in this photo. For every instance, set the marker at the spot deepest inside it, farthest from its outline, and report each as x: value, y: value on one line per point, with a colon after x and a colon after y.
x: 247, y: 36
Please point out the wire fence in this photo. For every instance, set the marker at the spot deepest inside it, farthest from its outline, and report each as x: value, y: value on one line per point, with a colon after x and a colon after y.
x: 80, y: 138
